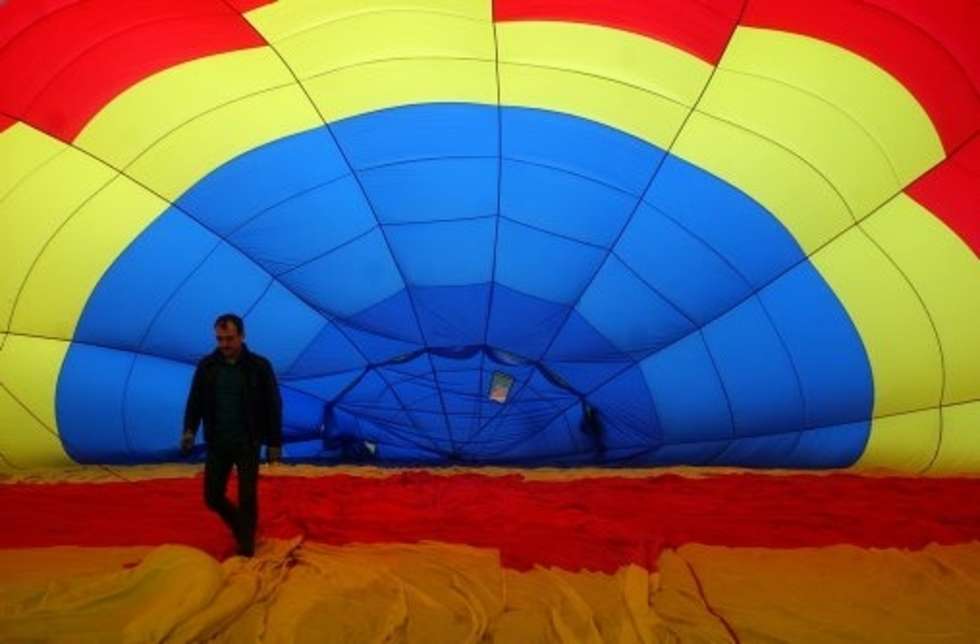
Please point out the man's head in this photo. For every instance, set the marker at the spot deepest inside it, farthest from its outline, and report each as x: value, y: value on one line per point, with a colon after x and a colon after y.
x: 229, y: 331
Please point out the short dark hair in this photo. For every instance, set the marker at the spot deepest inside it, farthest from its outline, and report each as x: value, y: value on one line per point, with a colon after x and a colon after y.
x: 230, y: 318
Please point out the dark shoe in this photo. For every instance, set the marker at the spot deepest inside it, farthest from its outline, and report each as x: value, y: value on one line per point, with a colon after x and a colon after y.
x: 245, y: 550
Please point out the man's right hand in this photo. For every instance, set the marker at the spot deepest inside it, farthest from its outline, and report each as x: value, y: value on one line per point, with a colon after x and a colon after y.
x: 186, y: 444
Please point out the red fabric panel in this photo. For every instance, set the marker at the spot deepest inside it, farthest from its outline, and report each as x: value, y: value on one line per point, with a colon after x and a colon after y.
x: 244, y: 6
x: 930, y: 47
x: 951, y: 191
x: 5, y: 122
x: 598, y: 523
x: 17, y: 15
x: 700, y: 28
x: 62, y: 69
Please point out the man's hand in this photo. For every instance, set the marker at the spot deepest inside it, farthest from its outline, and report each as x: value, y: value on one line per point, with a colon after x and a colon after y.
x: 186, y: 444
x: 273, y: 454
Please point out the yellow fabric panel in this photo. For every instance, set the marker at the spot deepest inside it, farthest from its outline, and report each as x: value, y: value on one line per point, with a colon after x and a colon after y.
x: 143, y: 603
x: 621, y: 56
x: 946, y: 275
x: 842, y: 593
x: 554, y: 605
x: 385, y: 35
x: 29, y: 369
x: 24, y: 442
x: 187, y: 154
x: 902, y: 133
x: 959, y: 451
x: 642, y: 114
x: 49, y: 565
x: 72, y: 264
x: 628, y: 81
x: 295, y: 591
x: 373, y: 86
x: 354, y: 59
x: 146, y: 112
x: 834, y: 147
x: 901, y: 443
x: 186, y: 470
x: 286, y: 18
x: 32, y: 212
x: 788, y: 188
x: 897, y: 335
x: 22, y: 151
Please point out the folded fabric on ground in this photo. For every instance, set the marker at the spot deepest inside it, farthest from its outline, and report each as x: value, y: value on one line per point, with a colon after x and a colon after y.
x: 295, y: 591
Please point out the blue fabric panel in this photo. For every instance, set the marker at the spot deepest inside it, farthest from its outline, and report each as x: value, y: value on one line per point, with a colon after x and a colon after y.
x: 810, y: 318
x: 433, y: 130
x: 148, y: 260
x: 153, y: 409
x: 830, y: 447
x: 327, y: 387
x: 689, y: 397
x: 584, y: 357
x: 226, y: 282
x: 758, y: 451
x: 563, y: 203
x: 756, y: 371
x: 731, y: 222
x: 391, y: 317
x: 408, y: 454
x: 452, y: 315
x: 267, y: 175
x: 92, y: 381
x: 625, y: 404
x: 433, y: 189
x: 329, y: 352
x: 306, y: 226
x: 377, y: 348
x: 629, y: 312
x: 578, y: 146
x: 370, y: 389
x: 543, y: 265
x: 459, y: 382
x: 278, y: 309
x: 543, y: 445
x: 429, y: 430
x: 523, y: 323
x: 696, y: 453
x: 418, y: 394
x: 302, y: 414
x: 447, y: 253
x: 369, y: 276
x: 307, y: 451
x: 684, y: 269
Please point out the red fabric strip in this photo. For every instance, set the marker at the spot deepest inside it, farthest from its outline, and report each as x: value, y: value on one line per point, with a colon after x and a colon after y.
x: 700, y: 28
x: 930, y: 47
x: 66, y: 64
x: 244, y: 6
x: 599, y: 523
x: 951, y: 191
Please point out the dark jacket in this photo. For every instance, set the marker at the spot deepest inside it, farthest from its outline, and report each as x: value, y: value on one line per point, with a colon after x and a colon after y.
x: 263, y: 404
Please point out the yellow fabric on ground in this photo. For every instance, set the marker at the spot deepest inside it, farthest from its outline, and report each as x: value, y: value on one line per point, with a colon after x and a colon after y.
x: 96, y: 473
x: 298, y: 592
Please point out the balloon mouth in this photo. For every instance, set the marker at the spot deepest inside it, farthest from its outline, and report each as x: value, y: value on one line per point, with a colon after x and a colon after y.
x: 500, y: 377
x: 509, y: 388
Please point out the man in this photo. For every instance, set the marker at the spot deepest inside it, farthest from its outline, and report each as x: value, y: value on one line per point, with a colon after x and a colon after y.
x: 235, y: 393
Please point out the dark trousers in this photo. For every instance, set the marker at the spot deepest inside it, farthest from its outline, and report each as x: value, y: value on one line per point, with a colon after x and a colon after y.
x: 242, y: 520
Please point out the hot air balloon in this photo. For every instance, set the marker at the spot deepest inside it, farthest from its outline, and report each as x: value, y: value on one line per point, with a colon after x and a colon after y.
x: 515, y: 233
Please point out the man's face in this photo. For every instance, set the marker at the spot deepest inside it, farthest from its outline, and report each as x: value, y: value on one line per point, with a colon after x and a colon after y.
x: 229, y: 340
